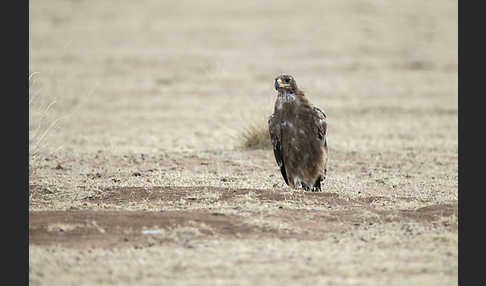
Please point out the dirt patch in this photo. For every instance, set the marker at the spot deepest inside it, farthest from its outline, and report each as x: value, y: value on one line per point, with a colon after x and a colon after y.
x: 208, y: 196
x: 107, y: 229
x: 222, y: 194
x: 119, y: 228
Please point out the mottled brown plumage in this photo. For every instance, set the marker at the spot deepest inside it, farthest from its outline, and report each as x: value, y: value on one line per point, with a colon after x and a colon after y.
x: 298, y: 134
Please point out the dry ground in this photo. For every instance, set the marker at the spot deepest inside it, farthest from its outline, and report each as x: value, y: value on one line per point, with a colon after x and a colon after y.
x: 137, y: 171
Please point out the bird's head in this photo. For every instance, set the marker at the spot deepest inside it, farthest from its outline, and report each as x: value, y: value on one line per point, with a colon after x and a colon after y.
x: 285, y: 83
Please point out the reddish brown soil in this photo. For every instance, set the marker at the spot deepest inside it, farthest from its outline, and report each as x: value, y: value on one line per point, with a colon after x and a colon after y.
x: 112, y: 228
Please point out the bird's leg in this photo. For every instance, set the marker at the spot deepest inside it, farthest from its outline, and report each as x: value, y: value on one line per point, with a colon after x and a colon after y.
x: 317, y: 185
x: 306, y: 187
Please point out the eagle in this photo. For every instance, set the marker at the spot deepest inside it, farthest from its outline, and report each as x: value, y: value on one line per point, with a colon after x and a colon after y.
x: 298, y: 132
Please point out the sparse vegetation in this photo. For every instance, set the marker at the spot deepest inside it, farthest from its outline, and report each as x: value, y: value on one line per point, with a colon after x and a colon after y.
x: 41, y: 120
x: 156, y: 183
x: 256, y: 136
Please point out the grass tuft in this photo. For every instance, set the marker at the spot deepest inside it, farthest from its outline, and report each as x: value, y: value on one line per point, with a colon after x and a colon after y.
x: 41, y: 120
x: 256, y: 136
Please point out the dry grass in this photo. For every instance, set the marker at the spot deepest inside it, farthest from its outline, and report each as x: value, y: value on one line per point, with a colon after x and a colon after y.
x: 256, y: 136
x: 41, y: 121
x: 384, y: 255
x: 174, y: 83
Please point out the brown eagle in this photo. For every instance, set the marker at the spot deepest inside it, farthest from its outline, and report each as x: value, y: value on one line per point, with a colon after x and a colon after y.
x: 298, y: 133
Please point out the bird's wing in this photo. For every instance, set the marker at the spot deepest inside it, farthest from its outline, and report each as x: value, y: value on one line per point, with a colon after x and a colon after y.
x: 276, y: 137
x: 321, y: 122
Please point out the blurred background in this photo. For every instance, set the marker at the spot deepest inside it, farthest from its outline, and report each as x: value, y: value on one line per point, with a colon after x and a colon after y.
x: 153, y: 76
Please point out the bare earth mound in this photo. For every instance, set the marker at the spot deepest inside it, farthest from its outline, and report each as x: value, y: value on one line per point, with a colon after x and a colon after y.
x: 144, y: 228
